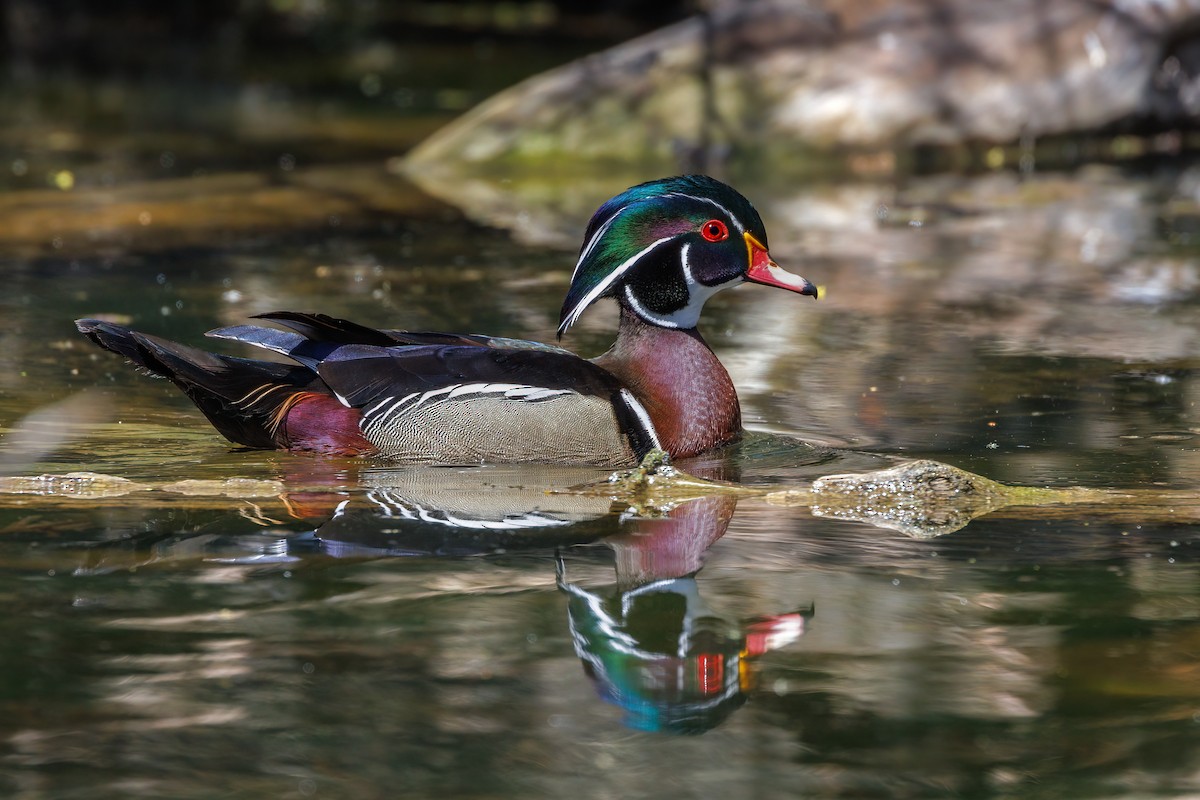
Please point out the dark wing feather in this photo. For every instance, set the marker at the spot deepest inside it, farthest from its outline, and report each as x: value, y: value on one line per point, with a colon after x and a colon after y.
x: 391, y: 383
x: 293, y: 345
x: 472, y: 340
x: 321, y: 328
x: 361, y: 373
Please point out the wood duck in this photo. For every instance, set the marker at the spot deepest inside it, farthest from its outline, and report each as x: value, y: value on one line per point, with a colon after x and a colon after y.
x: 660, y: 249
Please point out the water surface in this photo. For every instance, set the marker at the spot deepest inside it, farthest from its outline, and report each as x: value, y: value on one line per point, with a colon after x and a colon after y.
x: 364, y: 630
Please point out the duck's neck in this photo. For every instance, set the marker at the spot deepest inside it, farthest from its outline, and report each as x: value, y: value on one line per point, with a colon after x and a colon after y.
x: 679, y: 380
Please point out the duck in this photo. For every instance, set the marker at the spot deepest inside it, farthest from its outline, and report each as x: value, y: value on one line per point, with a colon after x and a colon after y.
x: 660, y: 249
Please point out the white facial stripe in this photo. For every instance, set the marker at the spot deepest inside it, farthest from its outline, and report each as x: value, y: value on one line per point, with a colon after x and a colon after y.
x: 600, y: 288
x: 597, y: 236
x: 737, y: 223
x: 647, y: 314
x: 687, y: 266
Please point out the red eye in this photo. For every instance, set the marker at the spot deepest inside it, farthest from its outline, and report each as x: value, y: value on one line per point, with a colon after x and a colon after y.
x: 714, y: 231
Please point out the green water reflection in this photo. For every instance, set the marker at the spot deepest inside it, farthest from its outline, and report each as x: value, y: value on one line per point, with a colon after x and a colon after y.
x: 151, y: 648
x: 372, y: 632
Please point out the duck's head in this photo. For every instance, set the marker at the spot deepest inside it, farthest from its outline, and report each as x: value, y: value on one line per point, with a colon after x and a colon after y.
x: 663, y: 248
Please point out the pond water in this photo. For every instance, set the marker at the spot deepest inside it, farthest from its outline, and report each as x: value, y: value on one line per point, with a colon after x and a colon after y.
x: 343, y: 628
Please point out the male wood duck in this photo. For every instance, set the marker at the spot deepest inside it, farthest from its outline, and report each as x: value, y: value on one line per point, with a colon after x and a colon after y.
x: 660, y: 249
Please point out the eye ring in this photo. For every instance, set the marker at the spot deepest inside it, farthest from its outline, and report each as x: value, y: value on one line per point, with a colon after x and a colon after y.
x: 714, y: 230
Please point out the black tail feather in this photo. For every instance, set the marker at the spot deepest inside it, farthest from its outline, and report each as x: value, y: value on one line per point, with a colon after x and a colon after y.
x: 243, y: 399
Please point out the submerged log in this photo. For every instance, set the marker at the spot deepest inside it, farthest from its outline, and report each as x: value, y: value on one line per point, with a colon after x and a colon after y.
x: 925, y: 498
x: 922, y: 499
x: 775, y: 77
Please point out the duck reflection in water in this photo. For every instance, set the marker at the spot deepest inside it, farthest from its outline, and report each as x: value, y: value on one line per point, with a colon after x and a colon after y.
x: 652, y: 645
x: 649, y: 640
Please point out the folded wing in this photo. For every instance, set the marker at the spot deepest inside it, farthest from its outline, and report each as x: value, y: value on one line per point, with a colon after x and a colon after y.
x: 454, y: 399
